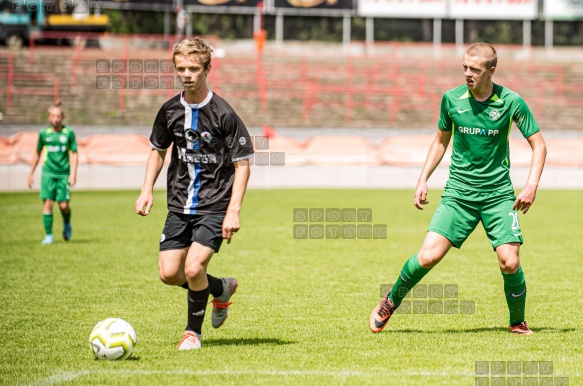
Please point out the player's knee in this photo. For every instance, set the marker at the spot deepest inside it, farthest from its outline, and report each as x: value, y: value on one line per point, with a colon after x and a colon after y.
x: 194, y: 272
x: 510, y: 265
x: 428, y: 259
x: 170, y: 277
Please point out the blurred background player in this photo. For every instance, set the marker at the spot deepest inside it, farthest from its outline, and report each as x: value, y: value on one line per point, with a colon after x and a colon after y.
x: 59, y: 172
x: 207, y: 179
x: 182, y: 19
x: 479, y: 187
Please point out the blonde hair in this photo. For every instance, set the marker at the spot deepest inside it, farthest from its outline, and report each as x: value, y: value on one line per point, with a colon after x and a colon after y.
x: 56, y: 105
x: 194, y: 46
x: 484, y: 50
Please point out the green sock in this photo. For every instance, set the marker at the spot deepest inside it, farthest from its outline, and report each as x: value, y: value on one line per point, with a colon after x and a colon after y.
x: 66, y: 216
x: 515, y: 290
x: 48, y: 222
x: 411, y: 274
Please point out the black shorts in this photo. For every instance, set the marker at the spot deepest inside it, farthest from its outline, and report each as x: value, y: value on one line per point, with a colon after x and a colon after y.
x: 181, y: 230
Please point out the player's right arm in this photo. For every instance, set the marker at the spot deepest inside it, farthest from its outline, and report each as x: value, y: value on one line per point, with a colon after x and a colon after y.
x: 434, y: 157
x: 153, y: 167
x: 35, y: 159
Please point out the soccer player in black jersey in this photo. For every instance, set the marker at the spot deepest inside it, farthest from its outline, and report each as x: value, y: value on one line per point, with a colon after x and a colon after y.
x: 207, y: 179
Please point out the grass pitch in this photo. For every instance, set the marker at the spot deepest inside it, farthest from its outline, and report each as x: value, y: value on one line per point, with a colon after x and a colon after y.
x: 300, y: 315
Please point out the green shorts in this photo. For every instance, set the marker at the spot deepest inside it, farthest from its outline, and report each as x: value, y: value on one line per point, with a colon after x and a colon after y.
x: 460, y: 211
x: 55, y: 188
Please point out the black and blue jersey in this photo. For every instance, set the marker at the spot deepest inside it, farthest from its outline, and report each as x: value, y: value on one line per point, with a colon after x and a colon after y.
x: 206, y: 138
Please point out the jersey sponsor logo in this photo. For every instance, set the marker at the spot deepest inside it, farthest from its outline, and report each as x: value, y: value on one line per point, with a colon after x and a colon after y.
x: 494, y: 114
x: 206, y: 136
x: 191, y: 135
x: 477, y: 131
x: 242, y: 141
x: 462, y: 111
x: 56, y: 149
x: 49, y: 139
x: 193, y: 157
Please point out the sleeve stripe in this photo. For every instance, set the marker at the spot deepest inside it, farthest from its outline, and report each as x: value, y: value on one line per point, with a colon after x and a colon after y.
x: 156, y: 147
x: 235, y: 159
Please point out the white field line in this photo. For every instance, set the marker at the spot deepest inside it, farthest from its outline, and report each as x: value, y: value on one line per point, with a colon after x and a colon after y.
x: 72, y: 375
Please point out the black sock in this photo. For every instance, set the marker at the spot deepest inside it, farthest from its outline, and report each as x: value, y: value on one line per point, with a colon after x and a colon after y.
x: 197, y: 301
x: 215, y: 285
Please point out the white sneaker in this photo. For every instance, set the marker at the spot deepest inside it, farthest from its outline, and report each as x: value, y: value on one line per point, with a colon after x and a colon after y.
x: 49, y: 239
x: 190, y: 341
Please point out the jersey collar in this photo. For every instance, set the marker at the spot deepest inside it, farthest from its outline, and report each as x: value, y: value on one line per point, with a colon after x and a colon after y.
x: 199, y: 105
x: 493, y: 100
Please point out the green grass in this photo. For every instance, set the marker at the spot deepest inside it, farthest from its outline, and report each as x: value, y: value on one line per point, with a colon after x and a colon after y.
x: 300, y: 315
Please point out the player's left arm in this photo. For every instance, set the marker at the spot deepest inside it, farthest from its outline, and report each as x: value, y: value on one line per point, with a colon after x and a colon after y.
x: 539, y: 154
x: 231, y: 222
x: 74, y: 159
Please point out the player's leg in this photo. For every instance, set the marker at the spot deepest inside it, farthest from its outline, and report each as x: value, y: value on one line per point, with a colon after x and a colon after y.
x: 514, y: 287
x: 209, y: 231
x: 48, y: 222
x: 434, y: 248
x: 503, y: 229
x: 66, y: 214
x: 195, y: 268
x: 171, y: 267
x: 63, y: 195
x: 48, y: 194
x: 452, y: 223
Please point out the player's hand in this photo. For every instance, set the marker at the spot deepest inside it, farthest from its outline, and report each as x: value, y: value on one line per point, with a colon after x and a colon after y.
x: 525, y: 199
x: 144, y: 203
x: 420, y: 198
x: 72, y: 181
x: 30, y: 181
x: 230, y: 225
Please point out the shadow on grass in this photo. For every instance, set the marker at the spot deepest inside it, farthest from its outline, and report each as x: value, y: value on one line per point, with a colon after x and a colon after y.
x: 247, y: 342
x: 481, y: 329
x: 81, y: 241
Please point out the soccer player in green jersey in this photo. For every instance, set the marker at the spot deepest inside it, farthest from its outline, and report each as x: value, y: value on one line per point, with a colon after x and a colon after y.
x: 59, y: 171
x: 479, y: 116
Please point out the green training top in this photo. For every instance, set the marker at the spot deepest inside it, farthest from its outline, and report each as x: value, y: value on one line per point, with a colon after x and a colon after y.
x: 57, y: 145
x: 480, y: 159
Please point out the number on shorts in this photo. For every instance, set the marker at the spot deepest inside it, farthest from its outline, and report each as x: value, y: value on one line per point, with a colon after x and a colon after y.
x: 515, y: 224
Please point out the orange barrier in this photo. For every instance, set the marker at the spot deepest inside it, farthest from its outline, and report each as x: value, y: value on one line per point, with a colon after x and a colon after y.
x: 345, y: 150
x: 407, y: 150
x: 402, y: 150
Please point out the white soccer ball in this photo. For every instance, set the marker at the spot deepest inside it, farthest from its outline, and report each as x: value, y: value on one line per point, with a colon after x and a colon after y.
x: 113, y: 339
